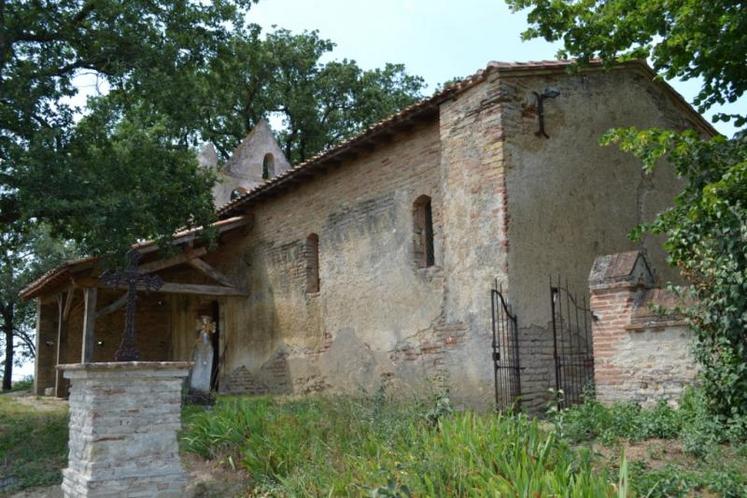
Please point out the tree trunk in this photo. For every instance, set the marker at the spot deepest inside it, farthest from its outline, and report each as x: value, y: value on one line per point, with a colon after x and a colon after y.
x: 8, y: 331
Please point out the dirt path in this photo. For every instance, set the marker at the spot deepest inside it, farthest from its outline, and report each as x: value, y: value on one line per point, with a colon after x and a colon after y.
x: 206, y: 480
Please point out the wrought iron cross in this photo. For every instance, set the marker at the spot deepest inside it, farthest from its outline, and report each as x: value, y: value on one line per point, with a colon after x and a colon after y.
x: 131, y: 278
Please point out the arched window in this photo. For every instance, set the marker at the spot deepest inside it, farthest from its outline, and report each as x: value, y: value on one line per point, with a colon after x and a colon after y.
x: 268, y: 167
x: 423, y: 232
x: 312, y: 263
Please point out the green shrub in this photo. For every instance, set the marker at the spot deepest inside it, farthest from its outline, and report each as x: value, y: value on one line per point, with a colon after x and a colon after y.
x: 593, y: 420
x: 25, y: 384
x: 343, y: 447
x: 673, y: 480
x: 692, y: 422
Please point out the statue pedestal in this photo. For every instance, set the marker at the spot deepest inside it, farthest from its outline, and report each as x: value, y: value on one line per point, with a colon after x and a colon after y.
x: 124, y: 419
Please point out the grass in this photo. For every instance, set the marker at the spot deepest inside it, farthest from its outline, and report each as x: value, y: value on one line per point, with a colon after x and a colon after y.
x: 322, y: 446
x: 672, y: 451
x: 344, y: 447
x: 33, y: 443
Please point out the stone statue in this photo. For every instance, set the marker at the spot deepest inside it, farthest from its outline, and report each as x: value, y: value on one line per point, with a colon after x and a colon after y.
x: 202, y: 357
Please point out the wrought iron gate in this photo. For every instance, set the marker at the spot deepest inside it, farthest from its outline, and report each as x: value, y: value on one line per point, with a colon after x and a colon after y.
x: 505, y: 353
x: 572, y: 347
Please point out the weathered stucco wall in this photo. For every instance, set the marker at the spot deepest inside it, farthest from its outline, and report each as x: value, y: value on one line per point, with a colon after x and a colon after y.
x: 475, y: 234
x: 378, y: 320
x: 374, y: 318
x: 570, y: 199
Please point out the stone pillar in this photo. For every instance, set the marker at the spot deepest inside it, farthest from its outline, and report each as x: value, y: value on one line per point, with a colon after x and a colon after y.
x: 641, y: 355
x: 616, y: 283
x: 124, y: 419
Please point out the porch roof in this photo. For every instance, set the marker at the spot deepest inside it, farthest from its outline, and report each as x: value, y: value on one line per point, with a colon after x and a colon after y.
x: 64, y: 273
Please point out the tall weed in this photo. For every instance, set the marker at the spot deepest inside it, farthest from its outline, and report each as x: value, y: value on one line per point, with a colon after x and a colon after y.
x: 344, y: 447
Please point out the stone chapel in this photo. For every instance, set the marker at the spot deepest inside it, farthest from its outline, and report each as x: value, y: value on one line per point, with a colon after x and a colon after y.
x: 370, y: 265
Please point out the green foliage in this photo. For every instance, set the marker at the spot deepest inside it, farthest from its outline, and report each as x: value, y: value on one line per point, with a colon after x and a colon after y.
x: 26, y: 252
x: 282, y: 74
x: 25, y: 384
x: 674, y: 480
x: 719, y: 468
x: 107, y: 185
x: 706, y: 235
x: 33, y: 444
x: 692, y: 422
x: 592, y: 420
x: 87, y: 179
x: 684, y: 39
x: 172, y: 74
x: 343, y: 447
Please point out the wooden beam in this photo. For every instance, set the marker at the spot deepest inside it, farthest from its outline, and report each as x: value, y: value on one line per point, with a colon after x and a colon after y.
x: 172, y: 288
x: 59, y: 381
x: 204, y: 290
x: 162, y: 264
x: 68, y: 304
x: 211, y: 272
x: 110, y: 308
x: 89, y: 323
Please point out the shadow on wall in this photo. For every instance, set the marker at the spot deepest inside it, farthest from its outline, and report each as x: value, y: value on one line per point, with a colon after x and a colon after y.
x: 261, y: 352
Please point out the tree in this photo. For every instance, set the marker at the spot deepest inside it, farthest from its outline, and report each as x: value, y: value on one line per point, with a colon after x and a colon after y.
x: 130, y: 47
x: 706, y: 229
x: 282, y: 74
x: 177, y: 73
x: 26, y: 252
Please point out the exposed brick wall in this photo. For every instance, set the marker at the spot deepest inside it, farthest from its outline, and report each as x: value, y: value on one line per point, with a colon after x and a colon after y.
x: 373, y: 300
x: 639, y: 356
x: 46, y: 346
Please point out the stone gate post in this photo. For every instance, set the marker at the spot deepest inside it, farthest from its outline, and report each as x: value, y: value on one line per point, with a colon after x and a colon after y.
x: 124, y: 419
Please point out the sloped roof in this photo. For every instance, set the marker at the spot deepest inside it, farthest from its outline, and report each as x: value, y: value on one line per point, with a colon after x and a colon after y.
x: 431, y: 104
x: 65, y: 271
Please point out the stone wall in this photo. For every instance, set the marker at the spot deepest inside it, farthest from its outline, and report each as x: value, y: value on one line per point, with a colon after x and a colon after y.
x: 124, y: 419
x: 640, y: 355
x: 378, y: 320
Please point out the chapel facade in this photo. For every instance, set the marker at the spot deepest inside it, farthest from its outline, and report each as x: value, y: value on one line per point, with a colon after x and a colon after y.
x: 370, y: 265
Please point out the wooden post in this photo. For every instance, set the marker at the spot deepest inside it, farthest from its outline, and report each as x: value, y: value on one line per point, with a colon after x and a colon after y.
x: 89, y: 325
x: 59, y: 381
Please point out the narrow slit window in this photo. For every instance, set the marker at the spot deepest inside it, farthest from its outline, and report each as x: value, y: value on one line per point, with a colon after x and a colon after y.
x: 423, y: 232
x: 268, y: 167
x: 312, y: 263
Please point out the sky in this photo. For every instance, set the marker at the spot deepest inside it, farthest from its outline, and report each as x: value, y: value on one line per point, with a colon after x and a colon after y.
x: 436, y: 39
